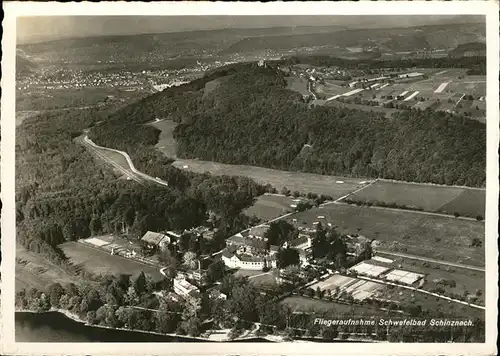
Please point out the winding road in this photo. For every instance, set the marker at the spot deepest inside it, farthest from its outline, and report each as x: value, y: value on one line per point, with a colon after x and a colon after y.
x: 132, y: 172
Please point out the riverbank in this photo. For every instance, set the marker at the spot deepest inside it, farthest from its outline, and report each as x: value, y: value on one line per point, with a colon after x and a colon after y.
x: 213, y: 335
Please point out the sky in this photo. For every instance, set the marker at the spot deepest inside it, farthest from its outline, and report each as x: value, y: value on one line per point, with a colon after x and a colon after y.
x: 45, y: 28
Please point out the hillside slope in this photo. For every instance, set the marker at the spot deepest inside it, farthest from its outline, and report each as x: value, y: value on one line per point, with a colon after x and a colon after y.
x: 251, y: 118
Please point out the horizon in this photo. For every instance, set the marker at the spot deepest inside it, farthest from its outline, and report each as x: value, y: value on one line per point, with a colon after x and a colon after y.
x: 32, y: 30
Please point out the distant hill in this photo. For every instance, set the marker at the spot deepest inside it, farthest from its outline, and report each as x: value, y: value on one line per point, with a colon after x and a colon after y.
x: 394, y: 39
x: 473, y: 49
x: 152, y: 47
x: 332, y: 40
x: 24, y: 66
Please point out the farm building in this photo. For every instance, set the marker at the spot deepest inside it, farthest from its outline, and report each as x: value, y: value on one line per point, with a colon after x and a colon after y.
x: 301, y: 243
x: 410, y: 75
x: 154, y: 239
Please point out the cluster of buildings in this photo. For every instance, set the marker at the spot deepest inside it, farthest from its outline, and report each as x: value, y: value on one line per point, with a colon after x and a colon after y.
x: 250, y: 250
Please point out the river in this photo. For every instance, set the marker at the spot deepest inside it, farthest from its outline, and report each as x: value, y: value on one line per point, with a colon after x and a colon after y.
x: 56, y: 327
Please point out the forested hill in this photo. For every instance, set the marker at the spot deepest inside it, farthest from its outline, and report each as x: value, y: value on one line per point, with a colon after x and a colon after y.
x: 250, y: 118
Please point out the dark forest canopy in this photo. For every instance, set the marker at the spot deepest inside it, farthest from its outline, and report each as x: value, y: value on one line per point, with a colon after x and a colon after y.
x: 250, y: 118
x: 64, y: 194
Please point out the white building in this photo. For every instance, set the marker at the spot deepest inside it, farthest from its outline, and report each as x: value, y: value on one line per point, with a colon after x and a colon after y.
x: 185, y: 289
x: 249, y: 262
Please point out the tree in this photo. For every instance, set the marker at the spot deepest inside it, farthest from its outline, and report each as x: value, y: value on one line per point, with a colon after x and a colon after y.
x: 293, y: 274
x: 476, y: 242
x: 279, y: 232
x: 55, y: 292
x: 131, y: 298
x: 140, y: 283
x: 296, y: 194
x: 216, y: 271
x: 287, y: 257
x: 285, y: 191
x: 190, y: 260
x: 167, y: 321
x: 170, y: 261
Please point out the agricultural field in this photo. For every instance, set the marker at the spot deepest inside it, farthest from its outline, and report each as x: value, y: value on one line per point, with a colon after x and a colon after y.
x: 268, y: 207
x: 438, y: 237
x: 297, y: 84
x: 430, y: 303
x: 40, y: 99
x: 166, y: 143
x: 432, y: 198
x: 32, y: 270
x: 303, y: 304
x: 99, y: 261
x: 441, y: 90
x: 471, y: 202
x: 294, y: 181
x: 330, y: 88
x: 466, y: 280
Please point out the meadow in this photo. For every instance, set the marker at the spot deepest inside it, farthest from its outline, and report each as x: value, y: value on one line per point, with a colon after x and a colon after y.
x: 439, y: 237
x: 98, y: 261
x: 166, y: 143
x: 433, y: 198
x: 268, y: 207
x: 294, y: 181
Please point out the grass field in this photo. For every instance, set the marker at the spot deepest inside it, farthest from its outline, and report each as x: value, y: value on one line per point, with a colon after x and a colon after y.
x: 433, y: 198
x: 268, y: 207
x: 166, y: 143
x: 439, y: 237
x: 330, y: 88
x: 466, y: 280
x: 297, y: 84
x: 429, y: 302
x: 303, y: 304
x: 471, y: 202
x: 33, y: 270
x: 100, y: 262
x: 302, y: 182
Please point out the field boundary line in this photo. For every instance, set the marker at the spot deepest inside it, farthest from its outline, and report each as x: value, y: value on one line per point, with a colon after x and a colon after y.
x: 336, y: 201
x: 431, y: 260
x: 429, y: 184
x: 411, y: 211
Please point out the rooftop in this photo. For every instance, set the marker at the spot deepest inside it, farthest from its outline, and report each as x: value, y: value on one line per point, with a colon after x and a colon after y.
x: 153, y: 237
x: 299, y: 241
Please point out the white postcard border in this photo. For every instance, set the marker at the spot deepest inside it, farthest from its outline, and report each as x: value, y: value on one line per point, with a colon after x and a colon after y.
x: 16, y: 9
